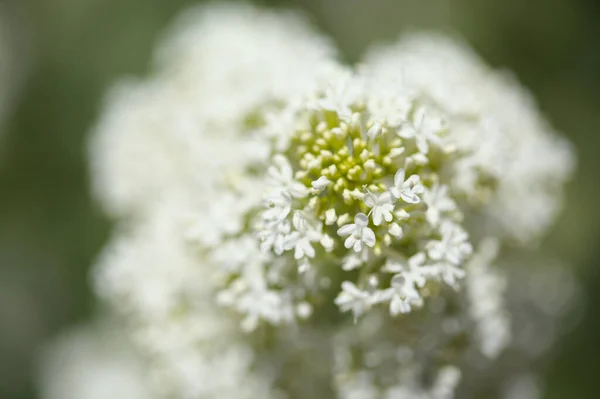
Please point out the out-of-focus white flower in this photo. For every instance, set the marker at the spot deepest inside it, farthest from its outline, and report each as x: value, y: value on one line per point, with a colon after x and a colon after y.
x: 353, y: 299
x: 438, y: 203
x: 423, y: 128
x: 453, y: 246
x: 485, y: 290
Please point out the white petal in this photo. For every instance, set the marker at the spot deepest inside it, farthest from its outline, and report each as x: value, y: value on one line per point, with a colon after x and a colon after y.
x: 375, y: 130
x: 361, y: 220
x: 370, y: 200
x: 377, y: 216
x: 417, y: 260
x: 419, y: 117
x: 418, y: 189
x: 350, y: 241
x: 351, y: 288
x: 422, y: 145
x: 387, y: 215
x: 399, y: 178
x: 412, y: 180
x: 309, y: 250
x: 436, y: 251
x: 284, y: 166
x: 394, y: 152
x: 368, y: 237
x: 407, y: 130
x: 385, y: 198
x: 410, y: 197
x: 346, y: 230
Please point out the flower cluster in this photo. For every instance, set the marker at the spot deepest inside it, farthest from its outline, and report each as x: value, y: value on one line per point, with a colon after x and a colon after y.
x: 307, y: 229
x: 359, y: 192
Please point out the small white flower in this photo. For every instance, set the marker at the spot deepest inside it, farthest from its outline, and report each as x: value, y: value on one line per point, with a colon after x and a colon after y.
x: 301, y: 244
x: 279, y: 205
x: 351, y: 262
x: 381, y: 207
x: 408, y: 190
x: 424, y: 129
x: 274, y: 237
x: 414, y: 266
x: 451, y: 274
x: 354, y: 299
x: 340, y: 95
x: 282, y: 175
x: 358, y: 233
x: 453, y: 246
x: 301, y: 239
x: 404, y: 294
x: 438, y: 202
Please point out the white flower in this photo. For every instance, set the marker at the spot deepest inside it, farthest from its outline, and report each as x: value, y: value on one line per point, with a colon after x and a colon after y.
x: 352, y: 261
x: 282, y: 175
x: 358, y: 233
x: 447, y: 272
x: 485, y: 288
x: 408, y: 276
x: 301, y: 239
x: 340, y: 95
x: 351, y: 298
x: 404, y: 294
x: 408, y: 190
x: 453, y: 246
x: 424, y: 129
x: 413, y: 266
x: 201, y: 132
x: 438, y: 202
x: 279, y: 205
x: 381, y: 207
x: 274, y: 237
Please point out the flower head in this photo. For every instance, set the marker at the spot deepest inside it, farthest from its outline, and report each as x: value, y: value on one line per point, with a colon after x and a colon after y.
x: 265, y: 203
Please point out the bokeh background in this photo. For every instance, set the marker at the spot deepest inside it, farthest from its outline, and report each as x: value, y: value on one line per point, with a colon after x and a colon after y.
x: 68, y: 52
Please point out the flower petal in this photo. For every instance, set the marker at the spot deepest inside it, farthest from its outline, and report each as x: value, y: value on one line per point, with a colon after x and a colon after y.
x: 399, y: 177
x: 346, y: 230
x: 361, y: 220
x: 368, y: 237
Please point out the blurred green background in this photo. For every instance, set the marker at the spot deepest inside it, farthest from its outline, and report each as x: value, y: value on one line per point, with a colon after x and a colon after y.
x: 71, y: 50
